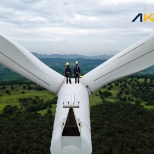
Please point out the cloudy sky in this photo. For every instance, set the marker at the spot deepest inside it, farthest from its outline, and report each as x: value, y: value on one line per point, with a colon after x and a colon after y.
x: 87, y: 27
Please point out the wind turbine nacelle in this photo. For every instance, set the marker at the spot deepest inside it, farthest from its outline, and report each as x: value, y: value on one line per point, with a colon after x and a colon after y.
x: 72, y: 132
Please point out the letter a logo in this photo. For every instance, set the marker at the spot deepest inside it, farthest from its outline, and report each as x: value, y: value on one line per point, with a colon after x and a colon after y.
x: 138, y: 16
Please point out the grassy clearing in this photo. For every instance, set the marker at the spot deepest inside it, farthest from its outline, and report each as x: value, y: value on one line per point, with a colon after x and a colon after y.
x: 53, y: 109
x: 95, y: 99
x: 147, y: 107
x: 18, y: 92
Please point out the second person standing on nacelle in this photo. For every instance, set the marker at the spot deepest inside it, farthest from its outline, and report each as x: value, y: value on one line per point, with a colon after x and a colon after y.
x: 76, y: 72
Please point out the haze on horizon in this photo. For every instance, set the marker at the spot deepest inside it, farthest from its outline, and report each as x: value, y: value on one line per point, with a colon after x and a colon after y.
x: 89, y: 27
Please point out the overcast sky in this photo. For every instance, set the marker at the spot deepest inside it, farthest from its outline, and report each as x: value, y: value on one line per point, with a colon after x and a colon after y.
x: 87, y: 27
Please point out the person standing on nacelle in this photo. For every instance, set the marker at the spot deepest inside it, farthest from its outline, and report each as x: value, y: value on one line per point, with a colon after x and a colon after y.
x: 76, y: 71
x: 68, y: 73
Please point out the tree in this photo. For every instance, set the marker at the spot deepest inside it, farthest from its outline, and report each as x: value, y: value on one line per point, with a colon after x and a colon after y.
x: 10, y: 109
x: 8, y: 92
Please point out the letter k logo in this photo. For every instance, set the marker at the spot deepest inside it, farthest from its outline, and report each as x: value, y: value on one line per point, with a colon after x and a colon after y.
x: 149, y: 17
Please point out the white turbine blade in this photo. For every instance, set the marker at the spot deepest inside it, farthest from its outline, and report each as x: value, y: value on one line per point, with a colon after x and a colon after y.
x: 23, y: 62
x: 133, y: 59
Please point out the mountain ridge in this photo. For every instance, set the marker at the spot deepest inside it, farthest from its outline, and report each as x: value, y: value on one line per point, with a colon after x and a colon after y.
x: 71, y: 56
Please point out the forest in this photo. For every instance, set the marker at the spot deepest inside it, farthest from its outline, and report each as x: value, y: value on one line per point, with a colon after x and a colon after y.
x: 121, y: 114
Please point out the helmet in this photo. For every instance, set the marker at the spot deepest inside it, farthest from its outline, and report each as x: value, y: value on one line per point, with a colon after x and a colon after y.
x: 76, y: 62
x: 67, y: 64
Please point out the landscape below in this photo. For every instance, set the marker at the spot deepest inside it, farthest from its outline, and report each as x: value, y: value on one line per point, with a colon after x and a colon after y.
x: 122, y: 112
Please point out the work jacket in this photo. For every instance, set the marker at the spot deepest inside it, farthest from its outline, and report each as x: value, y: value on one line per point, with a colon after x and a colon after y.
x: 68, y: 70
x: 76, y: 69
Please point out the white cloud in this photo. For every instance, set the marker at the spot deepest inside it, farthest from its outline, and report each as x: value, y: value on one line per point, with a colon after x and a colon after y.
x: 117, y: 2
x: 28, y: 18
x: 86, y: 27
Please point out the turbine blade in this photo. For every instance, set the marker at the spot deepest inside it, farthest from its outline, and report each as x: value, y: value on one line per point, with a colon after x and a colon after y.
x: 131, y: 60
x: 23, y: 62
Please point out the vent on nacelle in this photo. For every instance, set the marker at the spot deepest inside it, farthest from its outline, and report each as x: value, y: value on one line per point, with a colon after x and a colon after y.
x: 71, y: 128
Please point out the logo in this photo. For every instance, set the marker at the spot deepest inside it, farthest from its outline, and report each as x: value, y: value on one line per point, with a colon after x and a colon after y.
x: 143, y: 17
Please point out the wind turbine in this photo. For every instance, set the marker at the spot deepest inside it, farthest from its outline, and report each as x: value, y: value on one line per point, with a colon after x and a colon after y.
x: 72, y: 130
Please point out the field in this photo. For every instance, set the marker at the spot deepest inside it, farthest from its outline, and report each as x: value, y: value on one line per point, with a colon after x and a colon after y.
x: 122, y: 90
x: 10, y: 94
